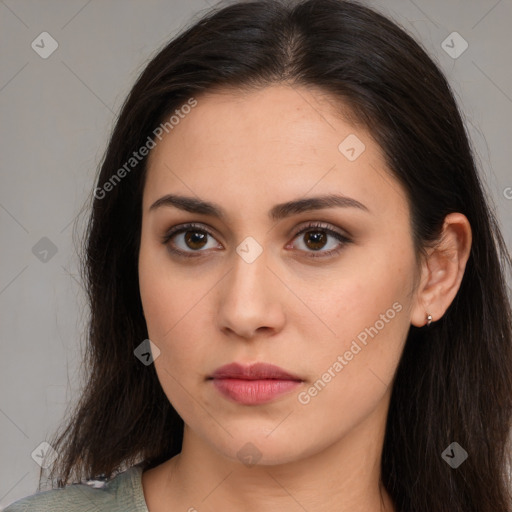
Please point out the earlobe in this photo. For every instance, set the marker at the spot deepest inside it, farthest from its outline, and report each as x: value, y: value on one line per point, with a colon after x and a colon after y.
x: 442, y: 271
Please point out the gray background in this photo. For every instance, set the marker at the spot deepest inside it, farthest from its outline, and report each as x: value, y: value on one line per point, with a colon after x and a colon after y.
x: 57, y: 114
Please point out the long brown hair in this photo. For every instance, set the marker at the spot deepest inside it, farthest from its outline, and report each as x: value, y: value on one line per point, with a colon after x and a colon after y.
x: 454, y: 380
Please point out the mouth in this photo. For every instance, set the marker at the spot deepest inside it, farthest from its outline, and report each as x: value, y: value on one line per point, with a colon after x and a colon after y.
x: 254, y: 384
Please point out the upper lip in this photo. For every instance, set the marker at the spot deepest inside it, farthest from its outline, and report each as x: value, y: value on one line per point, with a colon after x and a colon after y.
x: 255, y: 371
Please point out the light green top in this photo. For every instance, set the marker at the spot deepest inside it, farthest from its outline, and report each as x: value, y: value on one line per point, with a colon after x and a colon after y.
x: 121, y: 494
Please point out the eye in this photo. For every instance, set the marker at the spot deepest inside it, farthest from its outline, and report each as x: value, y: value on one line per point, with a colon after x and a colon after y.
x: 319, y: 238
x: 187, y: 239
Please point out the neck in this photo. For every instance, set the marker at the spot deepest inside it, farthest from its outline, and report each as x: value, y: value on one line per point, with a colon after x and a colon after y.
x: 344, y: 477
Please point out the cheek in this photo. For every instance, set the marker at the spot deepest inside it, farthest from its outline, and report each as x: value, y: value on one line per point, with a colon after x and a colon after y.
x: 353, y: 371
x: 366, y: 285
x: 175, y: 309
x: 171, y: 319
x: 366, y: 306
x: 168, y: 294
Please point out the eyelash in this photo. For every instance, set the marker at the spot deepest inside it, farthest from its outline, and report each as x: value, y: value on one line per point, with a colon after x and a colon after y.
x: 318, y: 226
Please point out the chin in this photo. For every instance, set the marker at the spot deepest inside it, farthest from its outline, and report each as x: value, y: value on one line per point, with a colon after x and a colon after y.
x: 258, y: 448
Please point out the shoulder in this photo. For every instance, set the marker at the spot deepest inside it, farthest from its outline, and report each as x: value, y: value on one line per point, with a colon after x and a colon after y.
x: 123, y: 493
x: 73, y: 498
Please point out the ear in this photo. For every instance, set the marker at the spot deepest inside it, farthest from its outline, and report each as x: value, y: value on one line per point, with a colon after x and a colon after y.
x: 442, y: 270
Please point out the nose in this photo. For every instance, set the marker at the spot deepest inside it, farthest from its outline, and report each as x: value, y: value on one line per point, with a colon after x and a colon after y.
x: 250, y: 299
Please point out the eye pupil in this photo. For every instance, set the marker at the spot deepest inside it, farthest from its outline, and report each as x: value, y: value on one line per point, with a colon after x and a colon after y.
x: 195, y: 237
x: 318, y: 239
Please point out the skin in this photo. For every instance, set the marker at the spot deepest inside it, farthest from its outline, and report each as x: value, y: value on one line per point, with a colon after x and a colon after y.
x: 247, y: 152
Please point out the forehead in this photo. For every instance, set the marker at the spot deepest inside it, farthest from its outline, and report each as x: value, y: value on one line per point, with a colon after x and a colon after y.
x: 262, y: 124
x: 278, y: 142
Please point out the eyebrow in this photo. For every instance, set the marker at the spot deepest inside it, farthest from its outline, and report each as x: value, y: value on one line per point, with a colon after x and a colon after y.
x: 279, y: 211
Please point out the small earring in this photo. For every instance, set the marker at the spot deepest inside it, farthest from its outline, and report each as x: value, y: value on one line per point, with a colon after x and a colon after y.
x: 429, y: 319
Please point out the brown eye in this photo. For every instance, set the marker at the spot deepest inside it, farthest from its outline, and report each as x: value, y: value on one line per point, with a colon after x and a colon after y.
x: 315, y: 239
x: 189, y: 240
x: 319, y: 240
x: 195, y: 239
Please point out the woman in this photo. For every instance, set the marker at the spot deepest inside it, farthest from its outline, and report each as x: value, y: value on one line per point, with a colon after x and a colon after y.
x: 289, y: 210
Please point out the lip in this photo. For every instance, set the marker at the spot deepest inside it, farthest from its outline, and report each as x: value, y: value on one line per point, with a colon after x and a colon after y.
x: 253, y: 384
x: 255, y: 371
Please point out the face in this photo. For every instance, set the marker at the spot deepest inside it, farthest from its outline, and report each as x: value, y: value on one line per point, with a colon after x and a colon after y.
x: 323, y: 290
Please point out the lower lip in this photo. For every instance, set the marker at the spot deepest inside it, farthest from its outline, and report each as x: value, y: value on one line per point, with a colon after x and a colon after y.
x: 254, y: 392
